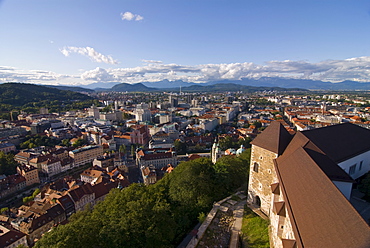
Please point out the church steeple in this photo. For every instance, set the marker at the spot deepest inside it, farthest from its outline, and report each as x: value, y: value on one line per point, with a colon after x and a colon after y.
x: 216, y: 151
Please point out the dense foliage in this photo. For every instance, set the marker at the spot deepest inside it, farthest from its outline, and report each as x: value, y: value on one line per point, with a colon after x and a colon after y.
x: 38, y: 140
x: 30, y: 98
x: 8, y: 166
x: 158, y: 215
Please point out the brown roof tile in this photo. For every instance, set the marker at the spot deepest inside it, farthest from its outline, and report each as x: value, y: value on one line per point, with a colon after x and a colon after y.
x: 274, y: 138
x: 320, y: 214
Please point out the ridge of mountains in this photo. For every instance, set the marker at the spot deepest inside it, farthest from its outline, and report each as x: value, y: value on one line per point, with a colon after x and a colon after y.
x: 307, y: 84
x: 244, y: 84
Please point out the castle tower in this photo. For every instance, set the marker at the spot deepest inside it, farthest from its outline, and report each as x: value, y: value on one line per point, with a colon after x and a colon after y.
x: 266, y: 147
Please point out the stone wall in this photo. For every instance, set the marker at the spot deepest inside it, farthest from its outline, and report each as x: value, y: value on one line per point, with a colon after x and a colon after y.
x: 280, y: 226
x: 260, y: 182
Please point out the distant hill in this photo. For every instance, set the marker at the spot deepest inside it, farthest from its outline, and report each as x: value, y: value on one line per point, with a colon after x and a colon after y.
x: 71, y: 88
x: 225, y: 87
x: 139, y: 87
x: 297, y: 83
x: 168, y: 84
x: 221, y: 87
x: 18, y: 94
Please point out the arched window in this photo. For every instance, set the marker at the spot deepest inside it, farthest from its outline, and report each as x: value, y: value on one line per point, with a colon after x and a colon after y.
x: 257, y: 201
x: 256, y: 167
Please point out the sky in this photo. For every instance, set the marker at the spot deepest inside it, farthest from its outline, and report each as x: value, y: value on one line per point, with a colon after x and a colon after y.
x: 79, y: 42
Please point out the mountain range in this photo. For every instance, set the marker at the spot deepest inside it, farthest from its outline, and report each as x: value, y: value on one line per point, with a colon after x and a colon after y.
x: 261, y: 82
x: 269, y: 83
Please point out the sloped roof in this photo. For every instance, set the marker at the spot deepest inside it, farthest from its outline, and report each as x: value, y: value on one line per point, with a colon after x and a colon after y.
x: 328, y: 166
x: 275, y: 189
x: 10, y: 237
x: 274, y: 138
x: 81, y: 191
x: 340, y: 142
x: 320, y: 214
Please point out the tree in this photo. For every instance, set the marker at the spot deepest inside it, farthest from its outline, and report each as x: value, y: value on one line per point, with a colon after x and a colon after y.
x: 157, y: 215
x: 126, y: 116
x: 8, y: 165
x: 180, y: 147
x: 226, y: 143
x: 122, y: 149
x: 133, y: 150
x: 66, y: 142
x: 4, y: 210
x: 79, y: 142
x: 36, y: 192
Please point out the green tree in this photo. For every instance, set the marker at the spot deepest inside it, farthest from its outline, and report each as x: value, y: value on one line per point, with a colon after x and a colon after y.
x: 4, y: 210
x: 66, y: 142
x: 79, y: 142
x: 8, y: 165
x: 157, y: 215
x: 226, y: 143
x: 231, y: 173
x: 133, y: 150
x: 36, y: 192
x: 180, y: 147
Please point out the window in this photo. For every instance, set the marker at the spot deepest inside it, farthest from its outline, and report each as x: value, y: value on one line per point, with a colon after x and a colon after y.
x: 352, y: 169
x: 255, y: 167
x: 360, y: 167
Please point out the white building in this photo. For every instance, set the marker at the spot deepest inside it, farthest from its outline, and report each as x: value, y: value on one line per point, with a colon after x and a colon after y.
x: 142, y: 112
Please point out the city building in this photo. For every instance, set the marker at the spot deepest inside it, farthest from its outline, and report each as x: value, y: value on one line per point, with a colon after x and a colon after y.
x: 86, y: 154
x: 30, y: 173
x: 140, y: 134
x: 7, y: 147
x: 11, y: 184
x: 10, y: 238
x: 142, y: 113
x: 302, y: 183
x: 158, y: 158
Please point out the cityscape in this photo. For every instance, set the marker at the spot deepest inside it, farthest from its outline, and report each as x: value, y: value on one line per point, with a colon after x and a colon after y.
x: 58, y: 164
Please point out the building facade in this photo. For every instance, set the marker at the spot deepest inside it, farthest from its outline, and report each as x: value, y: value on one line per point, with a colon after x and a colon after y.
x: 301, y: 183
x: 86, y: 154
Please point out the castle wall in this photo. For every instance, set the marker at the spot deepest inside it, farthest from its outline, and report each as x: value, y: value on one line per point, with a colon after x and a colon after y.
x: 260, y: 182
x: 280, y: 226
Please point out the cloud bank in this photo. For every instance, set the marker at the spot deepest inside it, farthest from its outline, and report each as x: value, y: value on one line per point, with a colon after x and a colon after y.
x: 356, y: 69
x: 128, y: 16
x: 90, y: 53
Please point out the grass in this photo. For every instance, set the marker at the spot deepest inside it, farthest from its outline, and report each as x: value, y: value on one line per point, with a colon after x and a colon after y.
x: 254, y: 231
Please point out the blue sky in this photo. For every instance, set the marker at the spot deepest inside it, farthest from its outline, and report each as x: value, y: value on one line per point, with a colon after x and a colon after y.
x: 80, y: 42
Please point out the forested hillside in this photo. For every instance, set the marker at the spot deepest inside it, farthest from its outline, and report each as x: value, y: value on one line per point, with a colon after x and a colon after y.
x: 30, y: 98
x: 158, y: 215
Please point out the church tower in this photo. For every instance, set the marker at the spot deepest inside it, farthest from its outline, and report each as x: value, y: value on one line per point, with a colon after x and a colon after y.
x: 215, y: 152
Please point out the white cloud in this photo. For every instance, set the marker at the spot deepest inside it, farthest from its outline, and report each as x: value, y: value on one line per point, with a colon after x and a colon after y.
x: 98, y: 74
x: 357, y: 69
x: 128, y: 16
x: 149, y: 61
x: 90, y: 53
